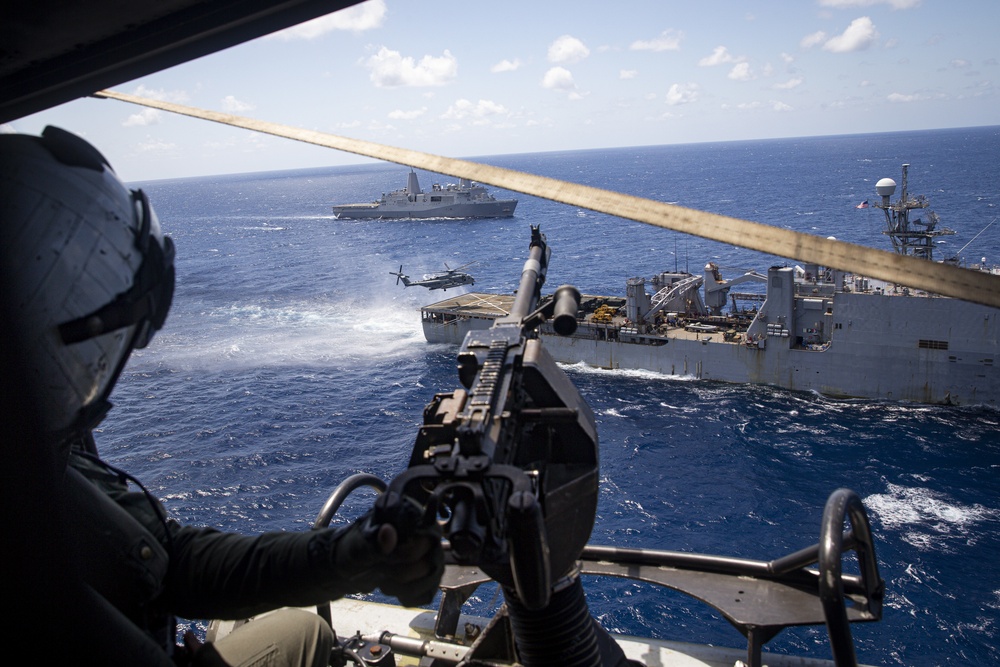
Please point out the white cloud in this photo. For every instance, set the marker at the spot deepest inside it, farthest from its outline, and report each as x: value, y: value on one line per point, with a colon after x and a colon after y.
x: 627, y: 74
x: 151, y: 145
x: 960, y: 63
x: 720, y: 55
x: 812, y: 40
x: 858, y: 37
x: 682, y: 93
x: 786, y: 57
x: 899, y: 97
x: 567, y: 49
x: 143, y: 118
x: 232, y: 105
x: 741, y: 72
x: 774, y: 105
x: 176, y: 96
x: 389, y: 69
x: 375, y: 125
x: 788, y: 85
x: 399, y: 114
x: 559, y: 78
x: 848, y: 4
x: 506, y: 65
x: 479, y: 113
x: 669, y: 40
x: 365, y: 16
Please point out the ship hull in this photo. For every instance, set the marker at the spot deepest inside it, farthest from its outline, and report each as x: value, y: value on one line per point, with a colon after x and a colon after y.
x: 499, y: 209
x: 924, y: 350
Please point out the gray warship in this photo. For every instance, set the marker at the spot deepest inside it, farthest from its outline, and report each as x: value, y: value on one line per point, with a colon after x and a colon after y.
x: 807, y: 328
x: 467, y: 199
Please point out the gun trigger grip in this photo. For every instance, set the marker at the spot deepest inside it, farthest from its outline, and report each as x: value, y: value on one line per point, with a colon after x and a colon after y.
x: 529, y: 550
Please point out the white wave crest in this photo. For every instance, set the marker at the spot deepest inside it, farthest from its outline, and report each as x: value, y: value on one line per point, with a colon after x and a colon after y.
x: 640, y: 374
x: 923, y: 514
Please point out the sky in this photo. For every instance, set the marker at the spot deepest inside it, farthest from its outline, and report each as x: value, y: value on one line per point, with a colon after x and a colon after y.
x: 478, y: 79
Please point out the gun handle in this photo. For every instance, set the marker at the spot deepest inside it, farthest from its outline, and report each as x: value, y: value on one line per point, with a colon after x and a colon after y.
x: 529, y: 550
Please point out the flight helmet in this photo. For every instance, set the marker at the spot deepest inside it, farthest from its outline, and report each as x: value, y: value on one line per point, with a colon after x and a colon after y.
x: 87, y: 273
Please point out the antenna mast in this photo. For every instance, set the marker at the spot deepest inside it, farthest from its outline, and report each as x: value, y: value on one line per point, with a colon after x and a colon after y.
x: 917, y: 240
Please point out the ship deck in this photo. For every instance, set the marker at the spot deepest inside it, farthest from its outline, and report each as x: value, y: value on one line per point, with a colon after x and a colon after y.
x: 473, y: 304
x: 484, y: 306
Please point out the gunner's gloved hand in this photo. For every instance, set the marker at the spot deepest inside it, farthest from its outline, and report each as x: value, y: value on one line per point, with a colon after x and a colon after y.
x: 395, y: 547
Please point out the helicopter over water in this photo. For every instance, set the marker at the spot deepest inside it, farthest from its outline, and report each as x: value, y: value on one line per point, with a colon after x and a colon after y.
x: 443, y: 280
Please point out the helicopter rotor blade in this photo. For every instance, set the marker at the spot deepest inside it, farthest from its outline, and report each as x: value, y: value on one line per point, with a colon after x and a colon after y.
x: 938, y: 278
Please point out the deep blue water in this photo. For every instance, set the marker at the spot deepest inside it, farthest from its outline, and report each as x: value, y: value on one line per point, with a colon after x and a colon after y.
x: 291, y: 359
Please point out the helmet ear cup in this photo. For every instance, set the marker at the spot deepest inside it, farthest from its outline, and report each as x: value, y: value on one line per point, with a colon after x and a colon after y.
x: 89, y: 272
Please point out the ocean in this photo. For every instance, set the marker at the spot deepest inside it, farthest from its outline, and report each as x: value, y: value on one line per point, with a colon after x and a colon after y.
x: 292, y: 359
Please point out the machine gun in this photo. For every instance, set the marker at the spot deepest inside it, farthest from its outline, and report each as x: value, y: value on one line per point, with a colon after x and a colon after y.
x: 511, y: 464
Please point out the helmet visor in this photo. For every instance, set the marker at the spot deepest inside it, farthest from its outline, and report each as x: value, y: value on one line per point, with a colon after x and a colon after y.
x: 146, y: 303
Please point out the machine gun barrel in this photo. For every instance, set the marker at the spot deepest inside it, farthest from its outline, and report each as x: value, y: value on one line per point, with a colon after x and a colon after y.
x: 563, y: 307
x: 529, y: 290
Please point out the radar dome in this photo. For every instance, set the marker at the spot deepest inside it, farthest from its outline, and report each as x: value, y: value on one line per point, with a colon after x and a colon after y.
x: 885, y: 187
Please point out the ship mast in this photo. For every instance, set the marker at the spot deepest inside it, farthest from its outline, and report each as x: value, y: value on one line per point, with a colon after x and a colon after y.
x: 918, y: 240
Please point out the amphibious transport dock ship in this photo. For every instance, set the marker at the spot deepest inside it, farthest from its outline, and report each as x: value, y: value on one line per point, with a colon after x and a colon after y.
x: 811, y: 328
x: 465, y: 200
